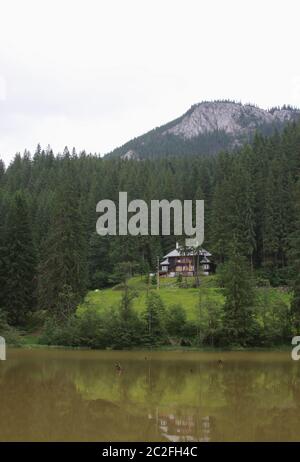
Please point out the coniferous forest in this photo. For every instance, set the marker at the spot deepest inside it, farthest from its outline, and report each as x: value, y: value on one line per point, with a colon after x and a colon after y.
x: 149, y: 226
x: 51, y: 256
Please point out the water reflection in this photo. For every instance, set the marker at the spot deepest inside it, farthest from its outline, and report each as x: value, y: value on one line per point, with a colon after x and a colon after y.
x: 78, y: 395
x: 183, y: 426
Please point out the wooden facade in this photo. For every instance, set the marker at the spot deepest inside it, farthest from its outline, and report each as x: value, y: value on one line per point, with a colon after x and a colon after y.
x: 182, y: 262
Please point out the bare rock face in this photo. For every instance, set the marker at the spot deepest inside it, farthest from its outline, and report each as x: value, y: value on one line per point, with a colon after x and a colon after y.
x: 231, y: 118
x: 130, y: 155
x: 207, y: 128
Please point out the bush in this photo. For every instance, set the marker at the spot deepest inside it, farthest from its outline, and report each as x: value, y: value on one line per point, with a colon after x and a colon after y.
x: 90, y: 329
x: 36, y: 320
x: 154, y: 280
x: 274, y: 318
x: 179, y: 280
x: 61, y: 332
x: 9, y: 333
x: 276, y: 276
x: 99, y: 280
x: 175, y: 320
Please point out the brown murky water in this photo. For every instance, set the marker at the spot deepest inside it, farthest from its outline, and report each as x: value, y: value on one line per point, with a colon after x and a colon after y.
x: 57, y: 395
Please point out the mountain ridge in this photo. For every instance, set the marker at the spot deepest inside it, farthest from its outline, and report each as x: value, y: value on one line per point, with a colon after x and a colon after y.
x: 207, y: 128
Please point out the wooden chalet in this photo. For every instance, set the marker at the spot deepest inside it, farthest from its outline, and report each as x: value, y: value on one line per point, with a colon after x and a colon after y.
x: 185, y: 262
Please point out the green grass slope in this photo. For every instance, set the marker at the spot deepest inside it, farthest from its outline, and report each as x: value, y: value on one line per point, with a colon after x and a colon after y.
x: 170, y: 293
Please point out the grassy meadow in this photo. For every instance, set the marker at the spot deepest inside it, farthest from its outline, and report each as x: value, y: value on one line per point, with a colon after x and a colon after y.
x: 171, y: 294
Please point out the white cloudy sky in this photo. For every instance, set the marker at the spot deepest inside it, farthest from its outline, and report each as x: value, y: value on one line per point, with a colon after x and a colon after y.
x: 93, y: 74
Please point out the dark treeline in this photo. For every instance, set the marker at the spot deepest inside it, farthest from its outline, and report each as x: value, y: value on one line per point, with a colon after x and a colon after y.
x: 50, y: 254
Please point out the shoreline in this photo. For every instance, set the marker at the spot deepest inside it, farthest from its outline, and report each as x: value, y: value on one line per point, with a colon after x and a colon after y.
x: 281, y: 348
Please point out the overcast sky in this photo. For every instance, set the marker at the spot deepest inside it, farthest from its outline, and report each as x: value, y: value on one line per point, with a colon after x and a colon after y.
x: 94, y: 74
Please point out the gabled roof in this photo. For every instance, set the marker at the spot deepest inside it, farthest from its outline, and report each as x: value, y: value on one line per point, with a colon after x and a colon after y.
x: 181, y: 253
x: 205, y: 260
x: 165, y: 262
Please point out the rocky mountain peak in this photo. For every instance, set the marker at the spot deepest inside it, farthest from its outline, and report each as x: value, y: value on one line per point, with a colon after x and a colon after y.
x: 208, y: 128
x: 229, y: 117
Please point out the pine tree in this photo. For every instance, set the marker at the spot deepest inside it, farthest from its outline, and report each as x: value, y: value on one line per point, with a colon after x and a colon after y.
x: 3, y: 260
x: 63, y: 267
x: 221, y: 231
x: 240, y: 217
x: 155, y: 318
x: 20, y: 283
x: 99, y: 262
x: 238, y: 323
x: 126, y: 310
x: 2, y: 169
x: 294, y: 254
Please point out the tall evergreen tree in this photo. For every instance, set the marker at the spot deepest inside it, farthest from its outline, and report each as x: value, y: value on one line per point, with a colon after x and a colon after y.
x: 294, y: 255
x: 3, y: 257
x: 2, y: 169
x: 155, y: 318
x: 238, y: 322
x: 63, y: 267
x: 20, y: 261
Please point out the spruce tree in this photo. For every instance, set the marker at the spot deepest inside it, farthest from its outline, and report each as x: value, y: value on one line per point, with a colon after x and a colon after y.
x: 294, y: 254
x: 155, y: 318
x: 238, y: 323
x: 20, y: 262
x: 3, y: 261
x: 63, y: 267
x: 2, y: 169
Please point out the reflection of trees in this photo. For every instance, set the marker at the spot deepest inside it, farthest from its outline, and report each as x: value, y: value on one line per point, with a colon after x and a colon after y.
x: 45, y: 405
x: 74, y: 399
x: 294, y: 381
x: 34, y: 407
x: 256, y: 395
x: 142, y: 381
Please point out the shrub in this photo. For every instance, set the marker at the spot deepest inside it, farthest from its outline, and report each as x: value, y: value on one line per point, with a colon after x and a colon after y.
x: 175, y: 320
x: 61, y: 332
x: 9, y: 333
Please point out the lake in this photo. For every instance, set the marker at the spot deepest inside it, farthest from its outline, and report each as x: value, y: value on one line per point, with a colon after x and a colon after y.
x: 76, y: 395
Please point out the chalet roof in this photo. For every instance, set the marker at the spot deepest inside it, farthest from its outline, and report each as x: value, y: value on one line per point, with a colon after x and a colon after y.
x: 165, y: 262
x: 180, y: 253
x: 205, y: 260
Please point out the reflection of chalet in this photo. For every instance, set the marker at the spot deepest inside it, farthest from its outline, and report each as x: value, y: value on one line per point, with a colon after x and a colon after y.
x: 185, y: 262
x: 187, y: 426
